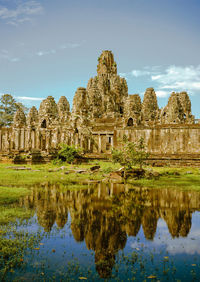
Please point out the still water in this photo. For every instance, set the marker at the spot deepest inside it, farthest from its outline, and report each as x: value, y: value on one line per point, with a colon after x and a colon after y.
x: 111, y: 231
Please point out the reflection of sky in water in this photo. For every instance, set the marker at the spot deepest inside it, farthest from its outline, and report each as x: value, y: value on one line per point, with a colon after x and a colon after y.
x: 97, y: 231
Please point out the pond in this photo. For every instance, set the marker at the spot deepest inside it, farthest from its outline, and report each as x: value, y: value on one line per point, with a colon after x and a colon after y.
x: 109, y: 231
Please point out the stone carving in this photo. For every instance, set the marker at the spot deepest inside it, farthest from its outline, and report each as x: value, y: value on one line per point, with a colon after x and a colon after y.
x: 63, y: 109
x: 132, y: 111
x: 150, y: 110
x: 32, y: 118
x: 107, y: 91
x: 19, y: 118
x: 101, y: 114
x: 80, y: 103
x: 178, y: 109
x: 48, y: 112
x: 106, y: 64
x: 186, y: 106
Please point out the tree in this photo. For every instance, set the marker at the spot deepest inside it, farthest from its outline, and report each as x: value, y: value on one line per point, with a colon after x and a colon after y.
x: 8, y: 107
x: 131, y: 153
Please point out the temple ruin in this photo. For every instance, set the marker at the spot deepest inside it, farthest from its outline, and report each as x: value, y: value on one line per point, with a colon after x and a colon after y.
x: 101, y: 114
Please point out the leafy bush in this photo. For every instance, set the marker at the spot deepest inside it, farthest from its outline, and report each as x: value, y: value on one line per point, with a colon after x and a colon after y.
x: 67, y: 154
x: 131, y: 153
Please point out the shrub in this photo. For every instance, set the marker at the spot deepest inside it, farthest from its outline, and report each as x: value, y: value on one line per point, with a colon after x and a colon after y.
x: 68, y: 153
x: 131, y: 154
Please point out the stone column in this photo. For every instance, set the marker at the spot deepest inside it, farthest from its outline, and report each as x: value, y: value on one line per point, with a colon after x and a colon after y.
x: 112, y: 137
x: 99, y: 143
x: 38, y: 141
x: 76, y: 140
x: 33, y: 139
x: 7, y: 141
x: 48, y: 136
x: 89, y: 144
x: 82, y: 142
x: 22, y: 139
x: 111, y: 189
x: 71, y: 139
x: 16, y: 139
x: 29, y: 140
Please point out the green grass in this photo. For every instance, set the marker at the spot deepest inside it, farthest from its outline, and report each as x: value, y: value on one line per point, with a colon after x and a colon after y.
x: 30, y: 178
x: 169, y: 180
x: 10, y: 177
x: 12, y: 194
x: 9, y: 211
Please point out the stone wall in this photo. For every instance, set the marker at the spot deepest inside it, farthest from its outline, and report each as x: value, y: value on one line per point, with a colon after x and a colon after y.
x: 165, y: 140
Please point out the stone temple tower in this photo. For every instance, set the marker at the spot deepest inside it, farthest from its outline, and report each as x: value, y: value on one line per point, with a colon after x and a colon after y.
x: 102, y: 113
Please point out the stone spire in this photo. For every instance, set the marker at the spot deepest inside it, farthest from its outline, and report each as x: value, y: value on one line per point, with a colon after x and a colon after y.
x: 32, y: 118
x: 95, y: 98
x: 19, y: 118
x: 150, y: 110
x: 173, y: 112
x: 63, y: 109
x: 132, y: 111
x: 186, y: 105
x: 107, y: 91
x: 48, y: 112
x: 106, y: 64
x: 80, y: 102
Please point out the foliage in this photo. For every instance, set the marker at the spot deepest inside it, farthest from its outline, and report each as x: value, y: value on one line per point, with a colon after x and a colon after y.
x: 131, y: 153
x: 68, y: 153
x: 8, y: 107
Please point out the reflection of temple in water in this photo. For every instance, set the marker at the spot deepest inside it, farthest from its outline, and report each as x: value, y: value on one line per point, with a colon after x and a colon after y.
x: 105, y: 214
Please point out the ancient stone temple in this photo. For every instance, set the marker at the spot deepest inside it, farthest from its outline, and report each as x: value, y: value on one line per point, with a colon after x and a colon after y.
x: 101, y: 114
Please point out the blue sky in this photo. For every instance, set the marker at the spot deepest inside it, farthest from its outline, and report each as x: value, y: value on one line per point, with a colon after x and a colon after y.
x: 51, y: 47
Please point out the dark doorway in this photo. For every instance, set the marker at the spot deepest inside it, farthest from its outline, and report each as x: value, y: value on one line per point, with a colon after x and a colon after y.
x: 44, y: 124
x: 130, y: 122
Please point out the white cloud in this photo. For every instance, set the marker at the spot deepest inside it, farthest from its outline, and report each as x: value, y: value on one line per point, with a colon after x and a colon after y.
x: 43, y: 53
x: 156, y: 77
x: 4, y: 55
x: 173, y: 78
x: 137, y: 73
x: 24, y: 12
x: 124, y: 75
x: 179, y: 78
x: 29, y: 98
x: 162, y: 94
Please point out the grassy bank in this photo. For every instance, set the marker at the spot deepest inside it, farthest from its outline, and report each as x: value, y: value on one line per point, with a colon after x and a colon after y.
x: 51, y: 173
x: 185, y: 178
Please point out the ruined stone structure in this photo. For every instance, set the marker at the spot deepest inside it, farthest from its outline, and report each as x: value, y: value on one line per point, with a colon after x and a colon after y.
x: 101, y: 114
